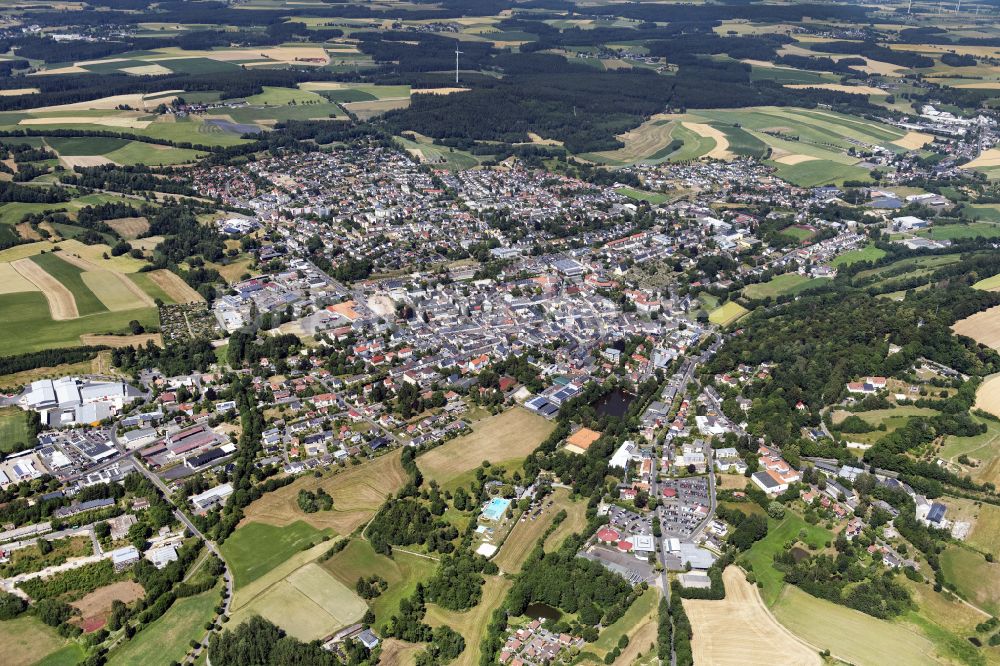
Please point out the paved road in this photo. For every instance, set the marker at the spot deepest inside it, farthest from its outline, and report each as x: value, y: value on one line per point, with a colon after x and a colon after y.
x: 227, y: 575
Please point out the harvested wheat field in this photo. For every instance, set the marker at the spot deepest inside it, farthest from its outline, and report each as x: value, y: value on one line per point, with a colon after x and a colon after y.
x: 129, y: 228
x: 436, y: 91
x: 536, y: 139
x: 795, y: 159
x: 62, y: 305
x: 71, y: 161
x: 11, y: 92
x: 357, y: 491
x: 741, y: 630
x: 839, y: 87
x: 122, y: 340
x: 116, y: 291
x: 509, y: 436
x: 914, y: 140
x: 983, y: 327
x: 25, y: 231
x: 988, y: 158
x: 107, y: 121
x: 177, y: 289
x: 12, y: 282
x: 147, y: 70
x: 721, y: 150
x: 988, y: 395
x: 134, y: 100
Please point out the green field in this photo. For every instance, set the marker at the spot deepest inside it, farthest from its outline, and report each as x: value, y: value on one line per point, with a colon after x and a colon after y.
x: 867, y: 253
x: 273, y: 96
x: 69, y: 275
x: 976, y: 580
x: 727, y: 314
x: 694, y: 145
x: 986, y: 212
x: 256, y: 548
x: 789, y: 283
x: 850, y: 635
x: 639, y: 609
x: 953, y: 231
x: 29, y: 311
x: 13, y: 428
x: 65, y: 145
x: 168, y: 638
x: 136, y: 152
x: 989, y: 284
x: 654, y: 198
x: 402, y: 571
x: 760, y: 557
x: 26, y: 641
x: 798, y: 233
x: 820, y: 172
x: 147, y: 285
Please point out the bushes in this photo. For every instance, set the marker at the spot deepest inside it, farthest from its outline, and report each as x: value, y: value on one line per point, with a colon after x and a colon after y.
x: 74, y: 582
x: 11, y: 606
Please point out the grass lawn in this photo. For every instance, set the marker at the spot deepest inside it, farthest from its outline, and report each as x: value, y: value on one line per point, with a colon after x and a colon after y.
x: 402, y: 571
x: 789, y: 283
x: 13, y: 428
x: 798, y: 233
x: 654, y: 198
x: 136, y: 152
x: 26, y: 641
x: 256, y: 548
x: 976, y: 579
x: 820, y: 172
x: 511, y: 434
x: 954, y: 231
x: 850, y: 635
x: 867, y: 253
x: 984, y: 448
x: 986, y: 532
x: 69, y: 275
x: 168, y: 638
x: 642, y: 607
x: 727, y: 314
x: 760, y: 557
x: 29, y: 311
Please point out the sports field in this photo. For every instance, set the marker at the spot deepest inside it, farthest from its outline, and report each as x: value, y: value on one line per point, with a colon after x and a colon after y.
x: 850, y: 635
x: 357, y: 491
x: 654, y: 198
x: 256, y: 548
x: 727, y: 314
x: 789, y: 283
x: 509, y: 436
x: 167, y: 639
x: 402, y: 571
x: 740, y: 629
x: 983, y: 327
x: 471, y: 624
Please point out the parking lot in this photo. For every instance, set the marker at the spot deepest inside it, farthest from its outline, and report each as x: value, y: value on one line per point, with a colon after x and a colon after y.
x: 627, y: 565
x: 629, y: 522
x: 688, y: 506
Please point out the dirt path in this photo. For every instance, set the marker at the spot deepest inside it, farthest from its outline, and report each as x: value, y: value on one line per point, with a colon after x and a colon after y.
x: 741, y: 630
x: 62, y: 305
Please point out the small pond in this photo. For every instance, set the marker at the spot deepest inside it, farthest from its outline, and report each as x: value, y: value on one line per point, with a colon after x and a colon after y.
x: 614, y: 403
x: 543, y: 611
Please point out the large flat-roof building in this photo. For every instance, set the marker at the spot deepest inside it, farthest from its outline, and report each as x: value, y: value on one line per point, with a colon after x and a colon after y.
x: 71, y: 400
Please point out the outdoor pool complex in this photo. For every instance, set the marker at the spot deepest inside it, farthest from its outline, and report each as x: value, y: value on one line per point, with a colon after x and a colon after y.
x: 495, y: 508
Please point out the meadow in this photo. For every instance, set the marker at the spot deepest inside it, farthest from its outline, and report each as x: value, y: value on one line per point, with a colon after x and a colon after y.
x: 641, y: 612
x: 761, y: 554
x: 781, y: 285
x: 866, y: 253
x: 167, y: 639
x: 509, y: 436
x: 26, y: 641
x: 727, y: 314
x: 976, y: 580
x: 983, y: 449
x: 850, y: 635
x: 471, y: 624
x: 525, y: 534
x: 357, y: 491
x: 13, y: 428
x: 402, y: 571
x: 256, y: 548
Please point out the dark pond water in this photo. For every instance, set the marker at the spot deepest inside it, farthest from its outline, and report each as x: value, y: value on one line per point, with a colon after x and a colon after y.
x: 543, y: 611
x: 799, y: 554
x: 614, y: 404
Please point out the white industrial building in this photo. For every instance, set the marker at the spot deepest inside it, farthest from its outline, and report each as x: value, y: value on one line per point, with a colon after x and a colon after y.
x: 70, y: 400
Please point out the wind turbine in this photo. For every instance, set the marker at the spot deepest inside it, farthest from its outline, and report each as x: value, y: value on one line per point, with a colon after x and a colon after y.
x: 456, y: 64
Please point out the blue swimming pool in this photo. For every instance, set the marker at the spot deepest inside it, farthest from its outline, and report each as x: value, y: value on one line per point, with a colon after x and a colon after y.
x: 495, y: 508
